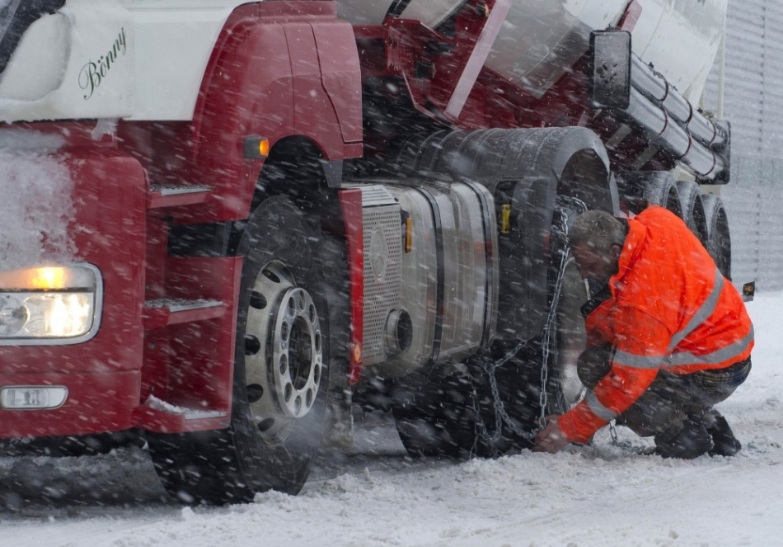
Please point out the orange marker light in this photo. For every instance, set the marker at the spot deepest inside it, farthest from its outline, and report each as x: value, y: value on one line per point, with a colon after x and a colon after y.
x: 408, y: 234
x: 255, y: 148
x: 505, y: 218
x: 263, y: 147
x: 48, y: 278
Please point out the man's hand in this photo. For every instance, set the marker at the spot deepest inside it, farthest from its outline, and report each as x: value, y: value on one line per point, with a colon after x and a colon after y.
x: 550, y: 439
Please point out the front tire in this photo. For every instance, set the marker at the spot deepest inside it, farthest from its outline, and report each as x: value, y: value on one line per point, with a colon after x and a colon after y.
x: 280, y: 373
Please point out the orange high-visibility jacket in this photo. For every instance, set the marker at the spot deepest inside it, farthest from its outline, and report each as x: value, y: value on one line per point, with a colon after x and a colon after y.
x: 669, y: 308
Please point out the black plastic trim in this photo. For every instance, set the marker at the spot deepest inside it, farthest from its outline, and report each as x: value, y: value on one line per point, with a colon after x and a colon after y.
x: 440, y: 303
x: 486, y: 218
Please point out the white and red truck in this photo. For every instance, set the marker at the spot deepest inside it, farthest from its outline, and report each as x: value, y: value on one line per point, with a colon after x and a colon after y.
x: 226, y: 221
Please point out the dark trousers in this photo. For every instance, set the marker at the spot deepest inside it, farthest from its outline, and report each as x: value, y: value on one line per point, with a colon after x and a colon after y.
x: 674, y: 398
x: 676, y: 408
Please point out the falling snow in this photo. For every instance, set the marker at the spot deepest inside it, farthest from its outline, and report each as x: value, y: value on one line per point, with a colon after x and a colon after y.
x: 374, y: 495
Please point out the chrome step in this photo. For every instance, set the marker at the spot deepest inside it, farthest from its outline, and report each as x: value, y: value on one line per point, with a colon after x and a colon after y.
x: 187, y: 413
x: 170, y: 311
x: 173, y: 190
x: 177, y: 195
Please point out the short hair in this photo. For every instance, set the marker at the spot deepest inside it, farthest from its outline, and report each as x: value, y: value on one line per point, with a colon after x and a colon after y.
x: 599, y: 229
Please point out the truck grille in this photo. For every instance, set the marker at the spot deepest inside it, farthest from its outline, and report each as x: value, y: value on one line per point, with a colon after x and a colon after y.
x: 382, y: 275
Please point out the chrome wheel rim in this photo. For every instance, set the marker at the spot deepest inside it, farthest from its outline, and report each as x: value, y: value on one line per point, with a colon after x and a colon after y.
x: 283, y: 352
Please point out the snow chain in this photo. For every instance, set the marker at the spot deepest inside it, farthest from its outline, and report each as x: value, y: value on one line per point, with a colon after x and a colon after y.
x: 559, y: 230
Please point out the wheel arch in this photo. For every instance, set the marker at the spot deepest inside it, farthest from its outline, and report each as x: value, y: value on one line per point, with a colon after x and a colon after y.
x: 526, y: 169
x: 274, y: 73
x: 571, y: 160
x: 296, y: 167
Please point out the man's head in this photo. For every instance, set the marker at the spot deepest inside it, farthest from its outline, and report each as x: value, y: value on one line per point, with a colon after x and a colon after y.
x: 596, y: 239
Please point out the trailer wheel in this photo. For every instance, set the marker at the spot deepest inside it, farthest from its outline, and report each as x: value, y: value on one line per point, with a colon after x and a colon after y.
x: 280, y: 374
x: 660, y: 189
x: 693, y: 209
x: 719, y: 237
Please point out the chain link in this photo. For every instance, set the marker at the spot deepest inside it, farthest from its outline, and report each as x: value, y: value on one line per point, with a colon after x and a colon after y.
x: 560, y: 231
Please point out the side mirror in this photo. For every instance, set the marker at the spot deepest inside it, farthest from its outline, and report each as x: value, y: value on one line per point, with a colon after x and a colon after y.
x: 609, y: 69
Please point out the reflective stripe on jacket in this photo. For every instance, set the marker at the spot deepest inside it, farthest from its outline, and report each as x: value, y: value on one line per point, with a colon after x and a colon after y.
x: 669, y: 308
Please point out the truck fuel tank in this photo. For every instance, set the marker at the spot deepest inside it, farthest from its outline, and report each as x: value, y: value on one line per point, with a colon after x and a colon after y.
x: 431, y: 273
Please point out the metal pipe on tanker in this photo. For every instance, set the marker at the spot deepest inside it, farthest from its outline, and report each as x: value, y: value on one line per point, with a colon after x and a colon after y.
x: 672, y: 137
x: 656, y: 88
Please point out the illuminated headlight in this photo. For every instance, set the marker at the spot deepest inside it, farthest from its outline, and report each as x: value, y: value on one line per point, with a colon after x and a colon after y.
x: 50, y: 305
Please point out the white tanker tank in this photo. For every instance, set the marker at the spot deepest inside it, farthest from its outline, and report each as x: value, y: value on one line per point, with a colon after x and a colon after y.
x: 542, y: 39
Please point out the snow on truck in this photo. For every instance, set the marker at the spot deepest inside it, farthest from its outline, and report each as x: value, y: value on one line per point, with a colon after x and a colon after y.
x: 226, y: 222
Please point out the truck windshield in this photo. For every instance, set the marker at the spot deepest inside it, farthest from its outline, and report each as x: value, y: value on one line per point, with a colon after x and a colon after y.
x: 15, y: 18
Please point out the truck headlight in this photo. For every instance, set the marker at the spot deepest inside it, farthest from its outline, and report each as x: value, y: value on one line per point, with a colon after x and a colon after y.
x: 50, y: 305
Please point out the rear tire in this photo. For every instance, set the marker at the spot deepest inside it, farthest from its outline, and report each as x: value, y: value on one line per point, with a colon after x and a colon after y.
x: 433, y: 412
x: 280, y: 374
x: 719, y: 237
x: 645, y: 188
x: 693, y: 209
x: 452, y: 411
x: 661, y: 190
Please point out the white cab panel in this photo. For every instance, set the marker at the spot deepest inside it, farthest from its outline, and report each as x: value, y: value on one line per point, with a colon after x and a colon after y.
x: 75, y: 64
x: 133, y: 59
x: 174, y: 41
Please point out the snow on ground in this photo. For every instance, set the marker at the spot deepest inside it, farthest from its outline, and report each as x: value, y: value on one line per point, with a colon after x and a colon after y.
x: 603, y: 495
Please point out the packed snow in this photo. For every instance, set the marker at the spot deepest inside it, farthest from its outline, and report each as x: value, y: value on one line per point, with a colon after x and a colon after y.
x: 607, y: 494
x: 35, y: 222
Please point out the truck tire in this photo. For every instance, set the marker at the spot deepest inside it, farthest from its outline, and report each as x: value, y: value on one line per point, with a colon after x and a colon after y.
x: 641, y: 189
x: 693, y: 209
x: 660, y: 189
x: 433, y: 412
x: 280, y: 373
x: 480, y: 409
x: 519, y: 387
x: 527, y: 391
x: 718, y: 235
x: 451, y: 412
x: 564, y: 388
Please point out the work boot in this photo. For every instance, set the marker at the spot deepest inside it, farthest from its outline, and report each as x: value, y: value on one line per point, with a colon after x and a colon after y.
x: 691, y: 441
x: 724, y: 443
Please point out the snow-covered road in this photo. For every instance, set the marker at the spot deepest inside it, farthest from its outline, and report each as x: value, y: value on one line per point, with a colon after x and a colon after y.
x: 603, y: 495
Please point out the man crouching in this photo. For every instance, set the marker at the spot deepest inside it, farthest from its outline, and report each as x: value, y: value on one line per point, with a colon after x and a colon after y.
x: 668, y: 337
